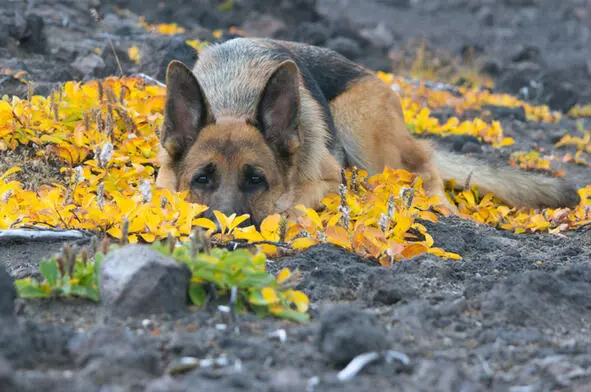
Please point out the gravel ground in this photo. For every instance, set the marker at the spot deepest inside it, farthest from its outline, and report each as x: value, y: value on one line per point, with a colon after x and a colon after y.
x: 513, y: 315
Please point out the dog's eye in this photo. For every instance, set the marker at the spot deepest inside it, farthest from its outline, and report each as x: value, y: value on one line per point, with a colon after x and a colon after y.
x: 202, y: 179
x: 205, y: 178
x: 256, y: 180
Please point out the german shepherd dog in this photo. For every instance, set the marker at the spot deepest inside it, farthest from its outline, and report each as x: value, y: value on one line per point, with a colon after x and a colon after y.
x: 260, y: 126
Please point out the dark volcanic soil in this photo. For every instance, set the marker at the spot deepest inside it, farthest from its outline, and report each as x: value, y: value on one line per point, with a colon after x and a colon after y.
x: 539, y: 49
x: 515, y: 312
x: 514, y: 315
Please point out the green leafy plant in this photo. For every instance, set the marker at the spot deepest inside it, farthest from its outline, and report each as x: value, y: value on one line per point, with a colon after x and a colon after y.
x: 65, y: 275
x: 240, y: 275
x: 226, y: 6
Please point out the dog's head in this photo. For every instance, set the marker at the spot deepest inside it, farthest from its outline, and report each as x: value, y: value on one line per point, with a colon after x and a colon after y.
x: 234, y: 165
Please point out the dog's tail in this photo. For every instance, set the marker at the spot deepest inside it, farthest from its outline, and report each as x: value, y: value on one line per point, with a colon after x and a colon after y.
x: 513, y: 186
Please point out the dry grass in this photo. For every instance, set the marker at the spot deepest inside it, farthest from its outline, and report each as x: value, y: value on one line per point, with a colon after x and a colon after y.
x: 35, y: 172
x: 417, y: 60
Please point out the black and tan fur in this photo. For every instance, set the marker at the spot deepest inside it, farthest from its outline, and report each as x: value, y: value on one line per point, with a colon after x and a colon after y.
x: 259, y: 126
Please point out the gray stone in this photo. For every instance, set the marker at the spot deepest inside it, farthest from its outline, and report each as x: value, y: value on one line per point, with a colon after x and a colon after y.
x: 165, y: 384
x: 382, y: 287
x: 38, y: 381
x: 186, y: 344
x: 6, y: 375
x: 505, y: 112
x: 346, y: 333
x: 397, y: 3
x: 486, y: 16
x: 312, y: 33
x: 18, y: 29
x: 114, y: 355
x: 444, y: 376
x: 520, y: 3
x: 471, y: 148
x: 380, y: 36
x: 112, y: 60
x: 7, y: 294
x: 89, y: 64
x: 345, y: 46
x: 137, y: 280
x: 527, y: 53
x: 264, y: 26
x: 173, y: 48
x: 287, y: 380
x: 27, y: 343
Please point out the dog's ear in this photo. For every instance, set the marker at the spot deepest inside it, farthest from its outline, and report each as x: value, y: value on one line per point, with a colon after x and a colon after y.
x: 278, y: 111
x: 186, y: 110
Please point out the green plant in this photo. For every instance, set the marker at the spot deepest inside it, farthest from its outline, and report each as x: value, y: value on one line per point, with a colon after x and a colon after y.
x: 67, y: 274
x: 240, y: 275
x: 226, y: 6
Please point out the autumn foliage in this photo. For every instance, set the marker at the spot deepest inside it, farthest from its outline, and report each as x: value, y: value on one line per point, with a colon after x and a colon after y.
x: 104, y: 135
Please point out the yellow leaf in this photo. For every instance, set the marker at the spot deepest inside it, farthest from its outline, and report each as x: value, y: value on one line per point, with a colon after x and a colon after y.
x: 313, y: 215
x: 369, y: 240
x: 205, y: 223
x: 249, y: 233
x: 222, y: 220
x: 403, y: 224
x: 471, y: 202
x: 508, y: 141
x: 338, y: 236
x: 236, y: 221
x: 269, y: 250
x: 428, y: 239
x: 414, y: 250
x: 259, y: 259
x: 428, y: 215
x: 71, y: 125
x: 270, y: 224
x: 134, y: 54
x: 126, y: 205
x: 303, y: 243
x: 148, y: 237
x: 298, y: 298
x: 283, y: 275
x: 334, y: 219
x: 10, y: 171
x: 276, y: 308
x: 441, y: 253
x: 115, y: 232
x: 269, y: 295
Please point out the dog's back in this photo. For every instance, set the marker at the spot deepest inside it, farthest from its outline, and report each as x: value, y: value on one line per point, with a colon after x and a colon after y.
x: 233, y: 73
